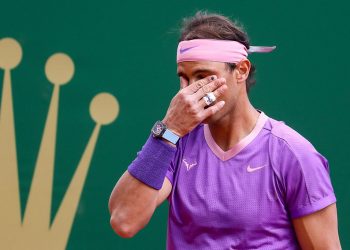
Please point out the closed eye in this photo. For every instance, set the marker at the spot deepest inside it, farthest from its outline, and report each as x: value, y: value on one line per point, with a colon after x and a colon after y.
x: 200, y: 76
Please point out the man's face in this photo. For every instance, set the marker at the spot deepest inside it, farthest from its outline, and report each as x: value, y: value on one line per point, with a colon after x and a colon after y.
x: 190, y: 72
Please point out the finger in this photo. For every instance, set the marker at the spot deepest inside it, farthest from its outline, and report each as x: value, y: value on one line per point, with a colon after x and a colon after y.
x: 210, y: 87
x: 183, y: 82
x: 212, y: 110
x: 194, y: 87
x: 217, y: 93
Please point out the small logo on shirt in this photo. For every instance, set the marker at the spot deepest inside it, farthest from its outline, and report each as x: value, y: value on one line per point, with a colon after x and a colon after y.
x: 189, y: 165
x: 250, y: 169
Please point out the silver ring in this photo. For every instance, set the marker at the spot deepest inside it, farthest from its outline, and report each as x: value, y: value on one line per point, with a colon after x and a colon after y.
x: 209, y: 98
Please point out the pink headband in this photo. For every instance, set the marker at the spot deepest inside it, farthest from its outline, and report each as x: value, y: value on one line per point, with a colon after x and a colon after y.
x: 216, y: 50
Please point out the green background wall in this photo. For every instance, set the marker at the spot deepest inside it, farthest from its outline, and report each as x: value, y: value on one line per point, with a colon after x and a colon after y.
x: 127, y: 48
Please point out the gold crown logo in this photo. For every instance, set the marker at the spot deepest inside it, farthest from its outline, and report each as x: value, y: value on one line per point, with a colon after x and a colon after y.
x: 34, y: 230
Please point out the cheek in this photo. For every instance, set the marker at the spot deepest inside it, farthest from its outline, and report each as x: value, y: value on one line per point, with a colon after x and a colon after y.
x: 230, y: 97
x: 229, y: 93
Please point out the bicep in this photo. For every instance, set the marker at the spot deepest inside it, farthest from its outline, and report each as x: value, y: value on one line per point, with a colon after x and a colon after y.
x: 164, y: 191
x: 318, y: 230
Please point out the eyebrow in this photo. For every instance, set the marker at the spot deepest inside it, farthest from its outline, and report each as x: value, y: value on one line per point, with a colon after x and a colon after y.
x: 196, y: 71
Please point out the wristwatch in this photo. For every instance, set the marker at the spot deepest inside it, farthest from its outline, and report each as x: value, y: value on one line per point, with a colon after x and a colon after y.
x: 160, y: 130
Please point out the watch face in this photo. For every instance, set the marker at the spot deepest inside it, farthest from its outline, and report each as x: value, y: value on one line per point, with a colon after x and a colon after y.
x: 158, y: 128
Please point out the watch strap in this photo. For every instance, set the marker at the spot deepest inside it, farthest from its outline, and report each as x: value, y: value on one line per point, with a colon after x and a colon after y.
x: 170, y: 136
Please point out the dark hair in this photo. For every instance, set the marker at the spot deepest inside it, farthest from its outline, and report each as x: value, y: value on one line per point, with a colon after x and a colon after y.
x: 205, y: 25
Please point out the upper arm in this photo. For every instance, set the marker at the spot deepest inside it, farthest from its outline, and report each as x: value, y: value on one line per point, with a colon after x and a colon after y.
x: 305, y: 179
x: 309, y: 195
x: 164, y: 191
x: 318, y: 230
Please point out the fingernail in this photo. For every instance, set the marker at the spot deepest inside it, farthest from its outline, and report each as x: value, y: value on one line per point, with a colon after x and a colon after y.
x: 222, y: 103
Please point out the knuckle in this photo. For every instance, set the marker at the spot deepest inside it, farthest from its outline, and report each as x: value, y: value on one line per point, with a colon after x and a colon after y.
x: 212, y: 110
x: 192, y: 111
x: 182, y: 95
x: 197, y: 117
x: 216, y: 85
x: 193, y: 102
x: 188, y: 103
x: 220, y: 90
x: 199, y: 84
x: 206, y: 89
x: 217, y: 94
x: 210, y: 81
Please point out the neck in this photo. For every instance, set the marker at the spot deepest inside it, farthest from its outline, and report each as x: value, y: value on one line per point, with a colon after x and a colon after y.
x: 235, y: 125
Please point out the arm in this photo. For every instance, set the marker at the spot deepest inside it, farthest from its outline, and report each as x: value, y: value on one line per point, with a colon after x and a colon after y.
x: 133, y: 203
x: 318, y: 230
x: 144, y: 186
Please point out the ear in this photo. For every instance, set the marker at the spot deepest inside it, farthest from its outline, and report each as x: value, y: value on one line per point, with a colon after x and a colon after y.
x: 242, y: 70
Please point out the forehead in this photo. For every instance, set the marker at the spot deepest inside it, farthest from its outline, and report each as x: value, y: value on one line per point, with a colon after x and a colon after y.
x: 192, y: 67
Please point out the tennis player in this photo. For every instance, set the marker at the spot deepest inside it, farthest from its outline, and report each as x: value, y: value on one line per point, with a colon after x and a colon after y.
x: 234, y: 177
